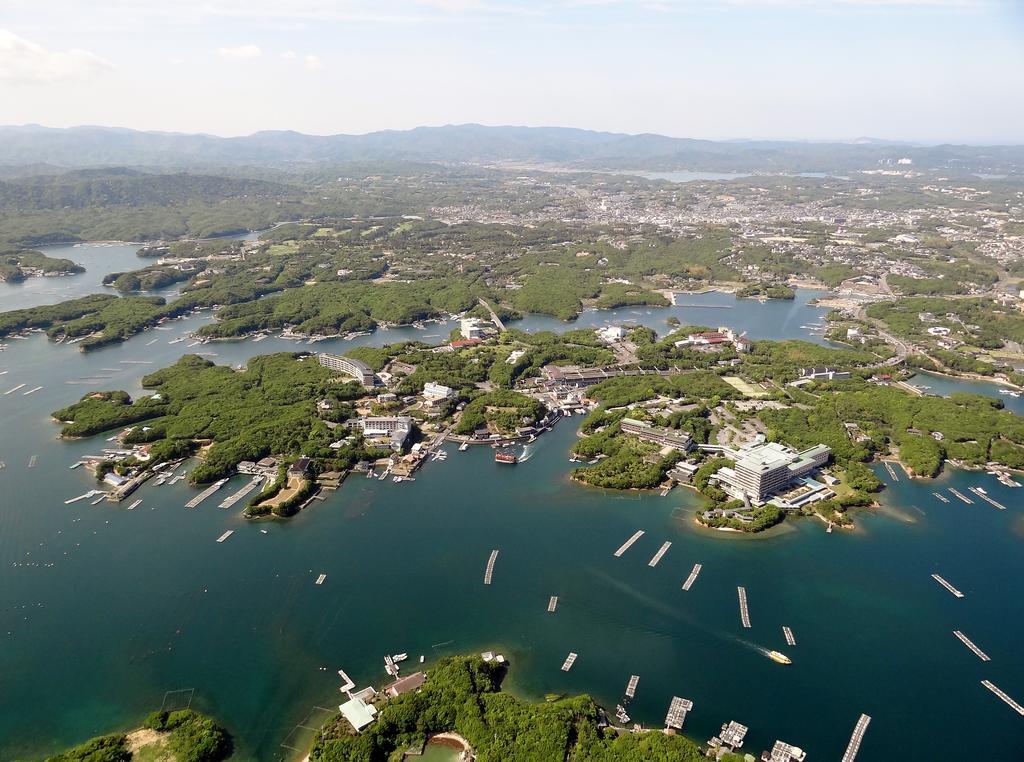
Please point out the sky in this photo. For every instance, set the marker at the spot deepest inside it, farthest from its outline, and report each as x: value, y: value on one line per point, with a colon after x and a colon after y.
x: 915, y: 70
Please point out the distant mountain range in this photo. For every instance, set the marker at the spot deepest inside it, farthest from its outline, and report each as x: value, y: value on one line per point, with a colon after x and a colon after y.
x: 471, y: 143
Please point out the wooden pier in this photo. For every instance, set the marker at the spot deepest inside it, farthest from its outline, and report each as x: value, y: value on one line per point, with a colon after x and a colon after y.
x: 693, y: 577
x: 232, y: 499
x: 677, y: 712
x: 194, y: 502
x: 552, y: 603
x: 320, y: 579
x: 661, y: 552
x: 790, y: 640
x: 1009, y: 701
x: 987, y: 499
x: 942, y: 581
x: 626, y: 545
x: 631, y: 685
x: 744, y: 614
x: 569, y: 661
x: 941, y: 497
x: 958, y: 494
x: 489, y: 571
x: 970, y: 644
x: 855, y: 740
x: 226, y: 535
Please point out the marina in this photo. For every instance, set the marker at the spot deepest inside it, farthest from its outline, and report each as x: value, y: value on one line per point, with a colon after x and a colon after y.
x: 960, y: 496
x: 1002, y: 695
x: 628, y: 543
x: 970, y: 644
x: 693, y: 577
x: 661, y: 552
x: 744, y: 614
x: 677, y: 710
x: 788, y: 633
x: 194, y: 502
x: 949, y: 587
x: 226, y: 535
x: 979, y: 492
x: 234, y: 498
x: 552, y: 604
x: 631, y: 686
x: 856, y: 738
x: 489, y: 571
x: 569, y: 661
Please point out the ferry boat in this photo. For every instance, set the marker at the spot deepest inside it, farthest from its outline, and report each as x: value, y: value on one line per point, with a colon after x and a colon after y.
x: 505, y: 457
x: 781, y: 658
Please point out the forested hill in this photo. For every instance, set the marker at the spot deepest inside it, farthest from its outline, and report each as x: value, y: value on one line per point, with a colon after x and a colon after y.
x: 128, y: 205
x: 125, y: 187
x: 95, y: 146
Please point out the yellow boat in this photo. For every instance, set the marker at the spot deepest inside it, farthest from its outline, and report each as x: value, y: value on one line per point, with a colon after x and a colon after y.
x: 781, y: 658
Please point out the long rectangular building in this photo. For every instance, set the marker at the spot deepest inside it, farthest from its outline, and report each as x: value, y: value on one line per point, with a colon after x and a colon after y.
x: 680, y: 440
x: 357, y: 369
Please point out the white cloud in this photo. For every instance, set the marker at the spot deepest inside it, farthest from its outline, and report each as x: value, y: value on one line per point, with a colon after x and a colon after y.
x: 289, y: 55
x: 313, y: 62
x: 240, y: 53
x: 27, y: 62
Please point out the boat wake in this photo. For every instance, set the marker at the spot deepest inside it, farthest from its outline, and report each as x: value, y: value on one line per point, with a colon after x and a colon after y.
x: 528, y: 451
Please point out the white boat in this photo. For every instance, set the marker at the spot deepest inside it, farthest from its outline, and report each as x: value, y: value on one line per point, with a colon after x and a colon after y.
x: 400, y: 657
x: 980, y: 490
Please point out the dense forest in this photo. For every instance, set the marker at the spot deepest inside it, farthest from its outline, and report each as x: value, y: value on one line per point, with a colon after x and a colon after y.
x: 463, y: 695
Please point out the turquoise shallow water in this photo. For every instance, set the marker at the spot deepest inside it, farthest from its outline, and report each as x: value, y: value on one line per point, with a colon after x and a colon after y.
x: 103, y: 610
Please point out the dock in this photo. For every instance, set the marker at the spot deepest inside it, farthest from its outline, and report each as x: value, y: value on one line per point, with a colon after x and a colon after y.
x: 135, y: 505
x: 1009, y: 701
x: 12, y: 391
x: 90, y: 493
x: 232, y: 499
x: 552, y: 604
x: 970, y: 644
x: 693, y: 576
x: 790, y: 640
x: 32, y: 461
x: 958, y: 494
x: 987, y: 499
x: 569, y: 661
x: 628, y: 543
x: 226, y: 535
x: 194, y: 502
x: 744, y: 614
x: 891, y: 470
x: 31, y: 391
x: 489, y: 571
x: 941, y: 497
x: 858, y: 735
x: 631, y: 685
x: 677, y: 712
x: 661, y: 552
x: 320, y: 579
x: 942, y: 581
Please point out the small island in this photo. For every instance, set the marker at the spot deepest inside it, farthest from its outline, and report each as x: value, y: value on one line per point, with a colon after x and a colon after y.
x: 18, y: 265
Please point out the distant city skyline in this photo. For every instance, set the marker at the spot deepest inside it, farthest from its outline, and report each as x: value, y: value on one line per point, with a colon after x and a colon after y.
x: 924, y: 71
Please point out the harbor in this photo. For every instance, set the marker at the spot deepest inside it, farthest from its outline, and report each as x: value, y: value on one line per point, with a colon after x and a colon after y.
x: 489, y: 571
x: 660, y: 554
x: 628, y: 543
x: 693, y: 577
x: 744, y: 614
x: 970, y: 644
x: 942, y: 581
x: 195, y: 502
x: 856, y: 738
x: 242, y: 493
